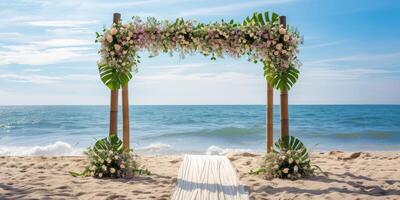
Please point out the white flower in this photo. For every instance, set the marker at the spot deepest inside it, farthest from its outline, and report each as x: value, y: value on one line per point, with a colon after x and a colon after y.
x: 130, y: 34
x: 100, y: 175
x: 104, y: 168
x: 276, y: 53
x: 116, y: 157
x: 109, y: 38
x: 279, y: 46
x: 112, y: 170
x: 108, y: 160
x: 286, y: 170
x: 122, y: 166
x: 295, y: 169
x: 290, y: 160
x: 282, y: 31
x: 114, y: 31
x: 117, y: 47
x: 286, y: 38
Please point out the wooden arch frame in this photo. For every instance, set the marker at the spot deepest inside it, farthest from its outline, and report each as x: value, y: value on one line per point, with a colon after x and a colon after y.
x: 269, y: 107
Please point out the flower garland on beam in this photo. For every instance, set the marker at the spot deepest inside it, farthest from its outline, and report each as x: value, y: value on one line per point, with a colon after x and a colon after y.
x: 260, y: 39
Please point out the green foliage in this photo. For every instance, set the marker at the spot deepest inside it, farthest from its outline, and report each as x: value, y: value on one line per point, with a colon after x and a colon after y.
x: 281, y: 80
x: 290, y: 159
x: 107, y: 158
x: 112, y: 78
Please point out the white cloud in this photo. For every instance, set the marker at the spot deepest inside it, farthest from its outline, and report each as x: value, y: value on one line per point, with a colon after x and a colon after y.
x: 368, y: 58
x: 62, y: 23
x: 322, y: 45
x: 63, y: 42
x: 45, y: 79
x: 47, y: 52
x: 229, y: 8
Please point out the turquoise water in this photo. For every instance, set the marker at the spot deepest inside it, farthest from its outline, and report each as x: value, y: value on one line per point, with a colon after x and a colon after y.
x: 66, y: 130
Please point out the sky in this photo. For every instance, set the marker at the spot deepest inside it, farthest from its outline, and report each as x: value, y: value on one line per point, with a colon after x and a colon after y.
x: 351, y: 53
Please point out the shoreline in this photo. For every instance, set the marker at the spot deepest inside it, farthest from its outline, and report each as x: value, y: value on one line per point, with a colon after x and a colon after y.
x: 370, y: 175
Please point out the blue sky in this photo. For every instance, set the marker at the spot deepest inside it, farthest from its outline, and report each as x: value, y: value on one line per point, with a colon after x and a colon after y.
x: 351, y: 53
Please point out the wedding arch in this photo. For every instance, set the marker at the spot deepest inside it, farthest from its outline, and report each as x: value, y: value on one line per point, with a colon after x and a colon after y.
x: 262, y: 38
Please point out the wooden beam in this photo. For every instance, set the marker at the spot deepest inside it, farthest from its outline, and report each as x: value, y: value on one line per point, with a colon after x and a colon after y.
x: 114, y: 98
x: 284, y: 99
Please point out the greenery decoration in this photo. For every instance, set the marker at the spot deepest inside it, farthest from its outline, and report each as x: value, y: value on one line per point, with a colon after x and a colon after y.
x: 107, y: 158
x: 260, y: 38
x: 290, y: 159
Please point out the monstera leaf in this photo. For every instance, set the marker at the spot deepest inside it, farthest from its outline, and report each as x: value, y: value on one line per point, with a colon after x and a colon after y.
x: 112, y: 78
x: 283, y: 80
x: 293, y: 144
x: 110, y: 143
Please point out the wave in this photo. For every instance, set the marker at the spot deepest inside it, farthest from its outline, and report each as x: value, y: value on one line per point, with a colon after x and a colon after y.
x: 215, y: 150
x: 364, y: 135
x: 155, y: 147
x: 56, y: 149
x: 221, y: 132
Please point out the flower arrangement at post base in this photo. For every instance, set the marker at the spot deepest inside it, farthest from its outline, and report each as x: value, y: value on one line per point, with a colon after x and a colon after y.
x: 290, y: 160
x: 107, y: 158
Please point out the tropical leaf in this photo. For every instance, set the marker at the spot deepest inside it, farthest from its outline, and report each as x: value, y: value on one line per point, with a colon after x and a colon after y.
x: 113, y: 79
x: 282, y: 81
x: 260, y: 20
x: 293, y: 144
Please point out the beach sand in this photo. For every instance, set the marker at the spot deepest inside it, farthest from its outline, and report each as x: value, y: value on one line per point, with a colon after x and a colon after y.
x: 374, y: 175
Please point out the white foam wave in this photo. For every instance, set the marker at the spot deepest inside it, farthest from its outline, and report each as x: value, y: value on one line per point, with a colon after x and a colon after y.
x: 56, y: 149
x: 154, y: 147
x: 215, y: 150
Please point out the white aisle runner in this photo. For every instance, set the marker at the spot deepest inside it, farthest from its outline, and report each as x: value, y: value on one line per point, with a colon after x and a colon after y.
x: 203, y: 177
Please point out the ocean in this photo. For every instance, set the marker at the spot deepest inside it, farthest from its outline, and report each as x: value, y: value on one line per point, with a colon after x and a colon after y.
x: 202, y: 129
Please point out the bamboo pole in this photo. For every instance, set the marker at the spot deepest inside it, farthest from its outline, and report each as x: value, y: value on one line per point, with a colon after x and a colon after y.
x: 114, y: 98
x: 125, y: 104
x: 284, y: 99
x: 125, y: 116
x: 269, y: 114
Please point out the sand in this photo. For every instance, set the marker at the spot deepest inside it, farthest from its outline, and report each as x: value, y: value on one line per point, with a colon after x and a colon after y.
x: 374, y: 175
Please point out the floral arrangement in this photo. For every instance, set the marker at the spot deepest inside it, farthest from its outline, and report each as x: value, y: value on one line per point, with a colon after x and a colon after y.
x: 107, y: 158
x: 258, y: 38
x: 290, y: 160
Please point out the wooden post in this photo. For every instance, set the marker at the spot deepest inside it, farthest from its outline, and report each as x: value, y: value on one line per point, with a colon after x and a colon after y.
x: 114, y: 98
x: 125, y: 106
x: 269, y: 114
x: 284, y: 99
x: 125, y: 116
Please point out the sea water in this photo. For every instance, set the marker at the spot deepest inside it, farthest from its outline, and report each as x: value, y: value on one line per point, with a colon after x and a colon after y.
x: 68, y: 130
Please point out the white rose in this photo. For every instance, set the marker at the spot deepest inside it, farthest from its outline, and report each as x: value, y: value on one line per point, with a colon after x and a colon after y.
x: 282, y: 31
x: 295, y: 168
x: 279, y: 46
x: 286, y: 170
x: 100, y: 175
x: 116, y: 47
x: 122, y: 166
x: 116, y: 157
x: 112, y: 170
x: 114, y: 31
x: 109, y: 38
x: 290, y: 160
x: 276, y: 53
x: 286, y: 38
